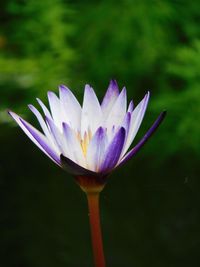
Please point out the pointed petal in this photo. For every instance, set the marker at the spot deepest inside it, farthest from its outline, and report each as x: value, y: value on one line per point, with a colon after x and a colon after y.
x: 149, y: 133
x: 73, y: 145
x: 75, y: 169
x: 110, y: 97
x: 113, y: 151
x: 130, y: 106
x: 44, y: 127
x: 71, y: 107
x: 91, y: 116
x: 118, y: 111
x: 44, y: 108
x: 37, y: 138
x: 40, y: 120
x: 96, y: 149
x: 136, y: 120
x: 55, y: 107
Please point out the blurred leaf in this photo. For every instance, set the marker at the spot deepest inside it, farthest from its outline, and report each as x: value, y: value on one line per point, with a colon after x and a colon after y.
x: 36, y: 54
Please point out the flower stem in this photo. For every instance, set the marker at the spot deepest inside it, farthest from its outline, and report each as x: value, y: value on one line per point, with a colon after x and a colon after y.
x: 97, y: 244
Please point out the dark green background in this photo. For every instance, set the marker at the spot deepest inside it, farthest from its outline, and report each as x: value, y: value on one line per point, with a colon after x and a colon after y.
x: 150, y: 208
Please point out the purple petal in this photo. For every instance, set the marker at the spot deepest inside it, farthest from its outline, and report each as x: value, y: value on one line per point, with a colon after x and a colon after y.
x: 43, y: 142
x: 110, y: 96
x: 113, y: 151
x: 126, y: 122
x: 75, y: 169
x: 36, y: 137
x: 96, y: 149
x: 149, y: 133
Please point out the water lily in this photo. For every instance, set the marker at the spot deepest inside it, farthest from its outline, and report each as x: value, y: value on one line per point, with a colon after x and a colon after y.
x: 89, y: 141
x: 92, y: 139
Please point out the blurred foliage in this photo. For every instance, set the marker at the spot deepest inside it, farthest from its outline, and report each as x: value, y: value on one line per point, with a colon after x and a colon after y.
x: 182, y: 99
x: 128, y: 40
x: 34, y: 49
x: 145, y: 45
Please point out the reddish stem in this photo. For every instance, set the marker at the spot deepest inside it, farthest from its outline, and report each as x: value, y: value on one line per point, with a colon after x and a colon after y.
x: 97, y: 244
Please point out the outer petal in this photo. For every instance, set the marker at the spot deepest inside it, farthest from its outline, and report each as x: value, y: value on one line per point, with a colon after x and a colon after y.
x: 136, y: 120
x: 113, y: 151
x: 40, y: 120
x: 118, y: 111
x: 110, y: 97
x: 75, y: 169
x: 71, y: 107
x: 96, y: 149
x: 37, y: 137
x: 149, y: 133
x: 91, y: 116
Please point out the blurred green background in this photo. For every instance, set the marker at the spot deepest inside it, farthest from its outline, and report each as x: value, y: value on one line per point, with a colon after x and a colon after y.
x: 151, y: 207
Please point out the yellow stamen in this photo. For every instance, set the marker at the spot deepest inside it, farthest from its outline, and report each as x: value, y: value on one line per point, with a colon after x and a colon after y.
x: 85, y: 141
x: 84, y: 144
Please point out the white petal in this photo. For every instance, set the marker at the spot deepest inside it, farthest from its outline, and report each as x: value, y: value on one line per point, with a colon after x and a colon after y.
x: 71, y: 108
x: 44, y: 108
x: 73, y: 145
x: 118, y: 111
x: 91, y: 117
x: 56, y: 135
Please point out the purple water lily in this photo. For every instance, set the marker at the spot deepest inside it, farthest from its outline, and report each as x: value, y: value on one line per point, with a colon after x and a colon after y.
x: 92, y: 139
x: 89, y: 141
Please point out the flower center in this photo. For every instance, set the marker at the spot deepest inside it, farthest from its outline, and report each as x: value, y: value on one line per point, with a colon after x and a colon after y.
x: 85, y: 141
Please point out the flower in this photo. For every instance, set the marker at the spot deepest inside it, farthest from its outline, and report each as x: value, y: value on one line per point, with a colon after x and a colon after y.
x: 91, y: 140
